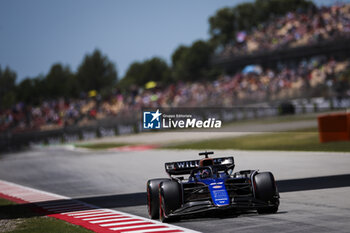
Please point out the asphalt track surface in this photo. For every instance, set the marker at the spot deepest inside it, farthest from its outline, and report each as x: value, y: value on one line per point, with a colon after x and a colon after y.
x: 314, y: 186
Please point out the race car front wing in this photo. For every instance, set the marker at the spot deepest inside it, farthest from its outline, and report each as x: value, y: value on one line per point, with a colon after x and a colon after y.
x: 240, y: 203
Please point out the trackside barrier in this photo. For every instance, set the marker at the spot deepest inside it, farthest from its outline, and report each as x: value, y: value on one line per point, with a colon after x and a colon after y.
x: 131, y: 122
x: 334, y: 127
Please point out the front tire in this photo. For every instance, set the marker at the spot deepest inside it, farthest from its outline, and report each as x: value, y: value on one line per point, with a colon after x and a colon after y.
x: 153, y: 197
x: 169, y: 200
x: 266, y: 191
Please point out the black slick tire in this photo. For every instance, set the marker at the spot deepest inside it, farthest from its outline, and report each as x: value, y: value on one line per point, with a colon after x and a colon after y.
x: 169, y: 200
x: 266, y: 191
x: 153, y: 197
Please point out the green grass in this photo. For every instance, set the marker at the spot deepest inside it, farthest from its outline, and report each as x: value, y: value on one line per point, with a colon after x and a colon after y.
x: 47, y: 224
x: 269, y: 120
x: 101, y: 146
x: 19, y: 218
x: 301, y: 140
x: 5, y: 202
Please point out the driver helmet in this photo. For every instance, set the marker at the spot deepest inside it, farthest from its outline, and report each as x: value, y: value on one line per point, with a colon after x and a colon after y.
x: 205, y: 174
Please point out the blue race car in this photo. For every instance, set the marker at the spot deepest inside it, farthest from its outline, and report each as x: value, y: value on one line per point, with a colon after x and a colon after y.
x: 211, y: 185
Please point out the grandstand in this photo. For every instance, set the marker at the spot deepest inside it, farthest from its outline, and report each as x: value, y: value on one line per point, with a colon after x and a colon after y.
x: 298, y: 55
x: 295, y: 29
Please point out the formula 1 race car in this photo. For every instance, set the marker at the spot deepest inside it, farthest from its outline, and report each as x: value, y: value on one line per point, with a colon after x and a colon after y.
x: 211, y: 185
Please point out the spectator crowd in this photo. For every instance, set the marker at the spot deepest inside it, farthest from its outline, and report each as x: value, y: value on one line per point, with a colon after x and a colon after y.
x: 243, y: 87
x: 251, y: 84
x: 293, y: 30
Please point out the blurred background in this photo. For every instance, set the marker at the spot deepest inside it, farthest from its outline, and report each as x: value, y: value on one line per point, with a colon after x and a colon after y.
x: 80, y: 70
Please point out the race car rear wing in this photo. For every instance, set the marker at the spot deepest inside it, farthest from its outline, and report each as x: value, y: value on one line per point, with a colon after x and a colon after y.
x: 185, y: 167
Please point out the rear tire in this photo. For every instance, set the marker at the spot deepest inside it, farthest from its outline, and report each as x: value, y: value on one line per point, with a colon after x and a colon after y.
x: 153, y: 197
x: 169, y: 200
x: 266, y: 191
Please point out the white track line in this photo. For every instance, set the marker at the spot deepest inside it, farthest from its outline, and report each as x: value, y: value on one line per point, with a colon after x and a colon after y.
x: 87, y: 212
x: 113, y: 216
x: 119, y: 218
x: 122, y: 222
x: 151, y: 230
x: 125, y: 223
x: 135, y: 227
x: 92, y: 215
x: 132, y: 221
